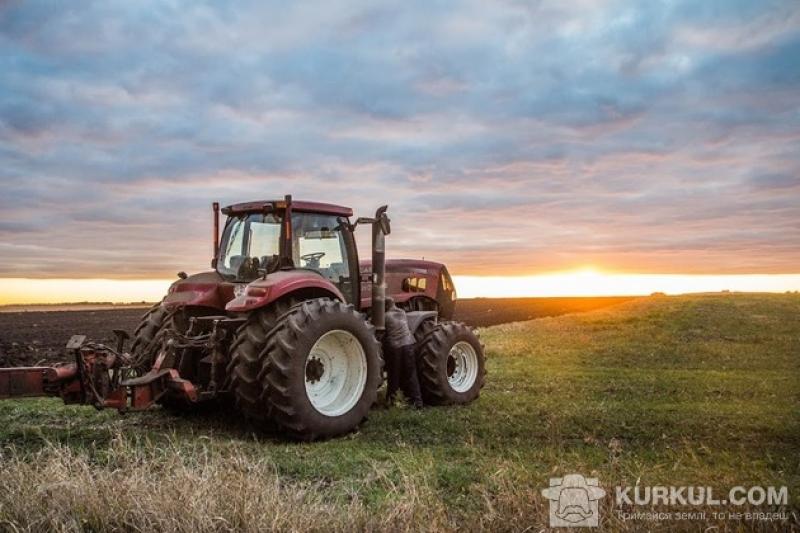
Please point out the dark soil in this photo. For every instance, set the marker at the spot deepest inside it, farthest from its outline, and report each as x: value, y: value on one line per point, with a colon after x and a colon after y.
x: 36, y: 337
x: 29, y: 338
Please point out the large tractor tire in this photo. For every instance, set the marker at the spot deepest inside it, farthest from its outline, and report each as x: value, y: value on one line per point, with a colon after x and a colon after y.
x: 146, y: 339
x: 321, y: 369
x: 425, y: 329
x: 450, y: 362
x: 244, y: 365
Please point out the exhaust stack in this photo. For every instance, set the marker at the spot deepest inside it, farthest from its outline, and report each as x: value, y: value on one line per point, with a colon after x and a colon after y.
x: 215, y: 208
x: 380, y: 228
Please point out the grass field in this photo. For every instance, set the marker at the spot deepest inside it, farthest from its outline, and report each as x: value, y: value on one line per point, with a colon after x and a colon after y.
x: 693, y: 390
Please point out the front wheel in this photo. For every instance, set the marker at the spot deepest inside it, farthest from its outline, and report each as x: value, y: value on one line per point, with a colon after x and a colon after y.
x: 321, y: 369
x: 146, y: 338
x: 451, y: 364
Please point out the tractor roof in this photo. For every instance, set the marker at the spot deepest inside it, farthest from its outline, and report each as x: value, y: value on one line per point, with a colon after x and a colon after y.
x: 297, y: 205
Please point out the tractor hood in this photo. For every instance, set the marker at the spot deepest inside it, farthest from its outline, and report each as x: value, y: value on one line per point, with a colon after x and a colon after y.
x: 206, y: 289
x: 209, y: 289
x: 265, y: 291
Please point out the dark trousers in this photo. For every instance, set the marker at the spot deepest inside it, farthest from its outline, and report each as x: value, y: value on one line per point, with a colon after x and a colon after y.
x: 401, y: 368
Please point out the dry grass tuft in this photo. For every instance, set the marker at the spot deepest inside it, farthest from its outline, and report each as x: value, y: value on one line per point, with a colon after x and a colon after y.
x: 167, y: 489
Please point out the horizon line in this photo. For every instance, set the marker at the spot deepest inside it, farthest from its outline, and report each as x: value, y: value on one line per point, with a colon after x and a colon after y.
x: 144, y: 303
x: 578, y: 283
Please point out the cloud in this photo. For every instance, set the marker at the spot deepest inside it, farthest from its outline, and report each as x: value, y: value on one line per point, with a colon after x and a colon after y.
x: 508, y: 138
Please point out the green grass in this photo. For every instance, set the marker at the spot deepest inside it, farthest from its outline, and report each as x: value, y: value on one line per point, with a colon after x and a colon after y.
x: 693, y: 390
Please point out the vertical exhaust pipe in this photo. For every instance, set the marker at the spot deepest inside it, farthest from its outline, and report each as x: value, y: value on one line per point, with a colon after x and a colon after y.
x: 215, y: 236
x: 380, y: 228
x: 285, y: 248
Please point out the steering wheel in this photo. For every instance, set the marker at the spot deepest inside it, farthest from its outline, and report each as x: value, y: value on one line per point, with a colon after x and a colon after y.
x: 312, y: 260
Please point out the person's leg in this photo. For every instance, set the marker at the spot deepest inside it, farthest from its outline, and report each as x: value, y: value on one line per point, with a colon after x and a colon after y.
x: 392, y: 361
x: 410, y: 381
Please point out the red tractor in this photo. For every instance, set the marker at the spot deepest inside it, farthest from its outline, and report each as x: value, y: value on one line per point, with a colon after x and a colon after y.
x: 416, y: 285
x: 287, y: 325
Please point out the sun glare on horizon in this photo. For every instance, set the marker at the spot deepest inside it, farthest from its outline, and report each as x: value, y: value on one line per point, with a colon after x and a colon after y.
x: 585, y: 281
x: 590, y: 281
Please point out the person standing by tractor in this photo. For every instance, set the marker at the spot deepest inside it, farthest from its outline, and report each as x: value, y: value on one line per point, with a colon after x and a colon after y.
x: 401, y: 367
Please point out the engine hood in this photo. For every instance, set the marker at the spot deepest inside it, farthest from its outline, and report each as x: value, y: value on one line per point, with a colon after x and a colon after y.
x: 206, y: 289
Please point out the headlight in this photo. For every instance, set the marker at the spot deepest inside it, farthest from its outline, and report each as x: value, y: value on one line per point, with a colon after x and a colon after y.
x: 257, y: 292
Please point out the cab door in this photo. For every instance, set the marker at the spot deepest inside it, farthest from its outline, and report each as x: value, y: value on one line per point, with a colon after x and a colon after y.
x: 325, y: 244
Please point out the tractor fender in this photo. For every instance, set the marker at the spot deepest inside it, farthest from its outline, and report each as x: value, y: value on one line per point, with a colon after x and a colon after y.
x: 263, y: 292
x: 199, y: 290
x: 416, y: 318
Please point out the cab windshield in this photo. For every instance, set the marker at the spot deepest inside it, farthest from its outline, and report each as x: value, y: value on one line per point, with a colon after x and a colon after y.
x: 250, y: 245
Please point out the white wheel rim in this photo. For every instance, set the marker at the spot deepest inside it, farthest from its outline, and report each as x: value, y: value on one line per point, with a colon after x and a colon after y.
x: 335, y: 373
x: 462, y: 366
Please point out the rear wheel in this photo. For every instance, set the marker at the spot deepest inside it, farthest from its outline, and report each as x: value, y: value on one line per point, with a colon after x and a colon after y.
x: 320, y: 369
x: 424, y: 329
x: 451, y: 364
x: 244, y: 365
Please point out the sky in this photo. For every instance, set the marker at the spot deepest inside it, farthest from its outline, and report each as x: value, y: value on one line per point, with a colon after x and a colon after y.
x: 511, y: 140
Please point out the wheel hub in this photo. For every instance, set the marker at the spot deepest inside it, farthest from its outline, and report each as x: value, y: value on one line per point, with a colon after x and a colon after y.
x: 336, y: 373
x: 462, y: 366
x: 314, y: 370
x: 451, y: 365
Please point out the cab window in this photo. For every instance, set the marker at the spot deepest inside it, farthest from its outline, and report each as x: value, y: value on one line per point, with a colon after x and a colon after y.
x: 321, y: 243
x: 415, y: 284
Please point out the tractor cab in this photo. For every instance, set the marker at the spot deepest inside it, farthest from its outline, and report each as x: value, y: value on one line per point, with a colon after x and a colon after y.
x: 261, y: 238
